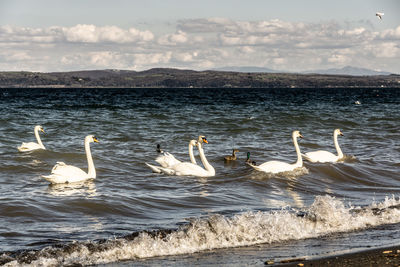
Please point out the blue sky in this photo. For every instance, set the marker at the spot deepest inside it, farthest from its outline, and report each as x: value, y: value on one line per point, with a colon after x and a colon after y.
x: 52, y: 35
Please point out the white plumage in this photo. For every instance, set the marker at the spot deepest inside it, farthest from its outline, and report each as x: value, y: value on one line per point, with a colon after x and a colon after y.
x: 25, y: 147
x: 63, y: 173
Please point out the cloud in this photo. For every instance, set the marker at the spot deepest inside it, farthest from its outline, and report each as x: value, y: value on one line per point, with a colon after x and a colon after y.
x: 85, y: 33
x: 81, y: 33
x: 202, y: 43
x: 179, y: 37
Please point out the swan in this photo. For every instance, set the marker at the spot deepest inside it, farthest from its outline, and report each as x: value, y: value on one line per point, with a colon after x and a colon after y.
x: 210, y: 169
x: 166, y: 159
x: 188, y: 168
x: 25, y: 147
x: 233, y: 157
x: 279, y: 166
x: 325, y: 156
x: 63, y: 173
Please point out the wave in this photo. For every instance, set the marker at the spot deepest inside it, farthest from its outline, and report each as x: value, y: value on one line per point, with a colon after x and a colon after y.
x: 325, y: 216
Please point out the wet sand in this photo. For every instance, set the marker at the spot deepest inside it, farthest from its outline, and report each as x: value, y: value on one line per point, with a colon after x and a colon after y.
x: 389, y: 256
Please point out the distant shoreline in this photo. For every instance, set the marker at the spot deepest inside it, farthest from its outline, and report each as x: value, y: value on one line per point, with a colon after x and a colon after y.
x: 175, y: 78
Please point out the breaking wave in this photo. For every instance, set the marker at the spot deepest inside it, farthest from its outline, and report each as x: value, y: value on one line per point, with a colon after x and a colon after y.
x: 325, y: 216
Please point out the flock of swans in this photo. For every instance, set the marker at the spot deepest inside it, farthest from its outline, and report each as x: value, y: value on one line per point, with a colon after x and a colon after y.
x: 168, y: 164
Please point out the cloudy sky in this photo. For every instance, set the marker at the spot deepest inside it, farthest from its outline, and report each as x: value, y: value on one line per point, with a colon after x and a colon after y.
x: 289, y: 35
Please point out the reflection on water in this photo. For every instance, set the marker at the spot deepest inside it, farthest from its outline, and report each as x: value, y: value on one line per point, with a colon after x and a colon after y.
x: 87, y: 189
x: 291, y: 190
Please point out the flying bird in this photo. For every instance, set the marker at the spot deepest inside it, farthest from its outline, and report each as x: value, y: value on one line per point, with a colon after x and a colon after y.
x: 379, y: 15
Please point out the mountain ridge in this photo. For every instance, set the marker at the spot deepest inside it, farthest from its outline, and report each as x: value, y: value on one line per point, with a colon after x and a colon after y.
x: 346, y: 70
x: 178, y: 78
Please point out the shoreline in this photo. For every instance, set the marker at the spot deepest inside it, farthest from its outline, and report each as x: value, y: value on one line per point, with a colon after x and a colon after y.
x: 389, y: 256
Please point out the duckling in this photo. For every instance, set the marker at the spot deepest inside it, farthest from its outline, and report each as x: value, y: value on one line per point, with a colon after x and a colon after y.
x: 249, y: 161
x: 233, y: 157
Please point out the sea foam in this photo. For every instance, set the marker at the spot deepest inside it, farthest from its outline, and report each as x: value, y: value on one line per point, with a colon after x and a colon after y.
x: 325, y: 216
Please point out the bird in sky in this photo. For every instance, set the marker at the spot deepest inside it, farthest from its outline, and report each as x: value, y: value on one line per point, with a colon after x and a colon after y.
x: 379, y: 15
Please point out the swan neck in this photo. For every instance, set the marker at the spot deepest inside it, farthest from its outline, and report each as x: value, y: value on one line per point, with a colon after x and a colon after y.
x: 91, y: 169
x: 207, y: 165
x: 299, y: 162
x: 339, y: 151
x: 38, y: 138
x: 191, y: 155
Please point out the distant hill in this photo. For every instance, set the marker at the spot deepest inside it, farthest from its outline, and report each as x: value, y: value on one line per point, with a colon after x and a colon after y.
x: 177, y: 78
x: 348, y: 70
x: 248, y: 69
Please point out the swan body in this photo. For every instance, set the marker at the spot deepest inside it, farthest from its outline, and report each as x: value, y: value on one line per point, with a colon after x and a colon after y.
x: 25, y: 147
x: 188, y: 168
x: 325, y: 156
x: 63, y: 173
x: 166, y: 159
x: 275, y: 166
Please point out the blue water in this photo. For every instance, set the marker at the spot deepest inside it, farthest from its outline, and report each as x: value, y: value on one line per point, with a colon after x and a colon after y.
x: 110, y: 219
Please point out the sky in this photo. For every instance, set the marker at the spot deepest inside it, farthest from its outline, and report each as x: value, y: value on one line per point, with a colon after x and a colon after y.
x: 286, y: 35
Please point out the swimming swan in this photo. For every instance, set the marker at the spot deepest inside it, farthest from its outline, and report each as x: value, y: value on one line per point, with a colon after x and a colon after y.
x: 63, y: 173
x: 279, y: 166
x: 188, y: 168
x: 325, y: 156
x: 166, y: 159
x: 25, y: 147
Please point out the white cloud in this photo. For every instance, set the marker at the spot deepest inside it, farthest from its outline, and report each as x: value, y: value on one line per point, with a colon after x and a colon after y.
x: 179, y: 37
x: 202, y: 43
x: 340, y: 59
x: 81, y: 33
x: 385, y: 50
x: 91, y: 34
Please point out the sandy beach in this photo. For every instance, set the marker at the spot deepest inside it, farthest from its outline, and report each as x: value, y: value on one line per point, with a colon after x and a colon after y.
x: 389, y: 256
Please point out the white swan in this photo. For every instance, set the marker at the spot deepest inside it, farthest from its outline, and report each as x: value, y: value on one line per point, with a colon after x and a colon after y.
x: 63, y: 173
x: 279, y: 166
x: 25, y: 147
x: 188, y: 168
x: 166, y: 159
x: 325, y: 156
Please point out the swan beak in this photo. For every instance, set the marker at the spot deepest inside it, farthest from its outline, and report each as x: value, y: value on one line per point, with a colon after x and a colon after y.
x: 205, y: 140
x: 341, y: 134
x: 301, y: 136
x: 95, y: 140
x: 42, y: 130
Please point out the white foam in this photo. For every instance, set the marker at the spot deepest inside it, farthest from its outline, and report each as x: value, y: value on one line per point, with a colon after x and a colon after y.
x: 325, y: 216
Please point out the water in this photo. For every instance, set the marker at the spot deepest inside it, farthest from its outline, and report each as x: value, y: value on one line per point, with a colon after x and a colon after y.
x: 130, y: 213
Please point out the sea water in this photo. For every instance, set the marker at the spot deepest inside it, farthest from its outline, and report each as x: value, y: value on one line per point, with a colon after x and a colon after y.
x: 130, y: 215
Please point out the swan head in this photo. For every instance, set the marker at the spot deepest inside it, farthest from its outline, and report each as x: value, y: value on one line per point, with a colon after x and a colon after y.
x: 193, y: 143
x: 296, y: 134
x: 202, y: 139
x: 338, y: 132
x: 91, y: 138
x: 39, y: 128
